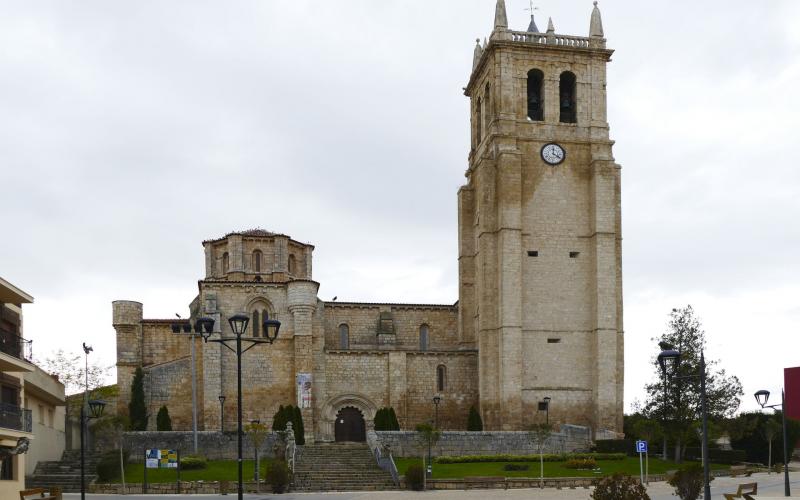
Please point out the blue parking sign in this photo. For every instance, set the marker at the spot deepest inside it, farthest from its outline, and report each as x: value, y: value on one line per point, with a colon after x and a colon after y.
x: 641, y: 446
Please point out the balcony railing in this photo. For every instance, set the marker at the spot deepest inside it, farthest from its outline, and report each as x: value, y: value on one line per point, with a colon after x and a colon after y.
x: 16, y: 346
x: 14, y: 417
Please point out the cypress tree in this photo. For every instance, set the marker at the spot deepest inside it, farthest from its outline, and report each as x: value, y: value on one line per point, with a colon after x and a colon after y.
x: 163, y: 420
x: 137, y: 411
x: 474, y: 422
x: 394, y: 425
x: 379, y: 420
x: 297, y: 425
x: 278, y: 422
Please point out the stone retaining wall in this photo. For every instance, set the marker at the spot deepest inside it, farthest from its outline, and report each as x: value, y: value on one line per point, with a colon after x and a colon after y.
x: 570, y: 438
x: 187, y: 487
x: 212, y: 445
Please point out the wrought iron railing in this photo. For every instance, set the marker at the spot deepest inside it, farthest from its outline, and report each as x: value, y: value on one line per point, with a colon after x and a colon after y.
x: 16, y: 346
x: 14, y: 417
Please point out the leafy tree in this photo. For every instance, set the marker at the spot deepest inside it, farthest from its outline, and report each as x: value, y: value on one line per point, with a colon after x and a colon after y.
x: 428, y: 435
x: 137, y: 410
x: 279, y: 420
x: 540, y: 433
x: 752, y: 441
x: 474, y: 422
x: 71, y: 370
x: 163, y: 421
x: 679, y: 405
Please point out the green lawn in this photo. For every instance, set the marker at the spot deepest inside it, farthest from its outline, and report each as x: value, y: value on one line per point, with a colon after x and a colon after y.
x: 551, y: 469
x: 217, y: 470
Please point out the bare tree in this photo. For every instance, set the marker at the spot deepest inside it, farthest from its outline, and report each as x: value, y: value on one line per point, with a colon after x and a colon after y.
x: 540, y: 433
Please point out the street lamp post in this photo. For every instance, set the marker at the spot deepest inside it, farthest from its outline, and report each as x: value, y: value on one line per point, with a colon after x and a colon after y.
x: 546, y: 402
x: 436, y: 400
x: 762, y: 397
x: 670, y: 359
x: 238, y: 325
x: 221, y: 413
x: 95, y: 411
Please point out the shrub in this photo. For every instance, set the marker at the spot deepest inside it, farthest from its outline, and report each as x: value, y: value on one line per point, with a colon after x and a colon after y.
x: 415, y: 477
x: 163, y: 421
x: 625, y: 446
x: 298, y: 427
x: 278, y: 476
x: 193, y: 462
x: 474, y: 422
x: 581, y: 463
x: 108, y: 465
x: 516, y: 467
x: 688, y: 482
x: 394, y: 425
x: 618, y: 486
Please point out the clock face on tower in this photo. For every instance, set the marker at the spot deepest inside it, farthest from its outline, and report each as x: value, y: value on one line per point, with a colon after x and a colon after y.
x: 553, y: 154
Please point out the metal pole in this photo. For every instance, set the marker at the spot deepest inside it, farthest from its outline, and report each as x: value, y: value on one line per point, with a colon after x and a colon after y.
x: 547, y: 413
x: 436, y: 416
x: 83, y: 459
x: 222, y: 416
x: 706, y: 485
x: 194, y: 397
x: 239, y: 407
x: 786, y: 489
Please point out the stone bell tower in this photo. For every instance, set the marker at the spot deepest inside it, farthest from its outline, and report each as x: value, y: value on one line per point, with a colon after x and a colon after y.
x: 540, y: 277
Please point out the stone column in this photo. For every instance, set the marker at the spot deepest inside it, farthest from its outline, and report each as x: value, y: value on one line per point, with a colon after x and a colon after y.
x: 127, y: 317
x: 302, y: 302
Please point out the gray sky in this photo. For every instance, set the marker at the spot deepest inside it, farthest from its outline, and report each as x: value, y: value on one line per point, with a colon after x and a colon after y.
x: 131, y: 131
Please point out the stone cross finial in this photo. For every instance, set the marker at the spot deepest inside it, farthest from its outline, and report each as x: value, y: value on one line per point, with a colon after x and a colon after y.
x: 550, y: 27
x: 476, y: 55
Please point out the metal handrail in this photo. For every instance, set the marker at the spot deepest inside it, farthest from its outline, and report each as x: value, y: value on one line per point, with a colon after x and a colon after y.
x: 14, y: 417
x: 14, y: 345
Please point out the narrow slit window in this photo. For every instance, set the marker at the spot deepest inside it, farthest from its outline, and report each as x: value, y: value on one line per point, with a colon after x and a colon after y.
x: 478, y: 122
x: 257, y: 261
x: 256, y: 324
x: 574, y: 255
x: 423, y: 338
x: 553, y: 341
x: 441, y: 378
x: 344, y: 337
x: 533, y: 253
x: 225, y: 263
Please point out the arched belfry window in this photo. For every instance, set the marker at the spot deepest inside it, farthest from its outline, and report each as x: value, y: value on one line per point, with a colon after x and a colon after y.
x: 226, y: 262
x: 256, y: 324
x: 423, y: 337
x: 441, y: 378
x: 567, y: 98
x: 478, y: 122
x: 257, y: 261
x: 344, y: 336
x: 535, y: 95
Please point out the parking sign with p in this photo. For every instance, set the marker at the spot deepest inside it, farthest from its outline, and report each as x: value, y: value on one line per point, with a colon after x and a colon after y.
x: 641, y: 446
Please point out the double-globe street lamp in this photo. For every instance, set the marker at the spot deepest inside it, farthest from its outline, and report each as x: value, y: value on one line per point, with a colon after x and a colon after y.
x: 436, y: 400
x: 544, y: 405
x: 669, y: 359
x: 239, y: 324
x: 762, y: 397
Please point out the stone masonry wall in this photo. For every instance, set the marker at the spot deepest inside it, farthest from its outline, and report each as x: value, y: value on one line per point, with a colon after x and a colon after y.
x: 212, y: 445
x: 570, y: 438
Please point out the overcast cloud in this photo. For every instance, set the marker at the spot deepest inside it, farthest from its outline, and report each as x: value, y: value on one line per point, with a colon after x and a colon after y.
x: 131, y: 131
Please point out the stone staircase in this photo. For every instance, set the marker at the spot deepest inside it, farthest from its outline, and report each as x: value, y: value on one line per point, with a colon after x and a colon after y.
x: 65, y: 473
x: 339, y: 467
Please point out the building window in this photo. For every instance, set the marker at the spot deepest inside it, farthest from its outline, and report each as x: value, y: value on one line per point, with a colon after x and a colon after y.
x: 257, y: 261
x: 7, y: 466
x: 478, y: 122
x: 256, y: 324
x: 344, y: 336
x: 487, y: 96
x: 566, y: 91
x: 423, y: 338
x: 225, y: 263
x: 292, y: 265
x: 535, y: 95
x: 441, y: 378
x: 50, y: 417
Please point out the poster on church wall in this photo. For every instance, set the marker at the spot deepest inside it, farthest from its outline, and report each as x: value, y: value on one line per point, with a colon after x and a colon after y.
x: 304, y: 390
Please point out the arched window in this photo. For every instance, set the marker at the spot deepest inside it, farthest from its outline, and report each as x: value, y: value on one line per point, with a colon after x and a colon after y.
x: 344, y: 336
x: 441, y: 378
x: 535, y: 95
x: 487, y: 96
x: 257, y: 261
x: 423, y: 338
x: 478, y: 122
x: 256, y: 323
x: 567, y: 98
x: 292, y: 265
x: 225, y: 263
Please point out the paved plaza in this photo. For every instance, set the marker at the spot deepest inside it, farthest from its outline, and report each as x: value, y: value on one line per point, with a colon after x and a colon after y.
x: 768, y: 486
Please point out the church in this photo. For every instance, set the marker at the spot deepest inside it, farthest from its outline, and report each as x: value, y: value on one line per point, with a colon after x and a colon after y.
x: 539, y: 310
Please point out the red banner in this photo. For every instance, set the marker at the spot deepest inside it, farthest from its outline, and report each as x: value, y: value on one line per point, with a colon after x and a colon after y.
x: 791, y: 383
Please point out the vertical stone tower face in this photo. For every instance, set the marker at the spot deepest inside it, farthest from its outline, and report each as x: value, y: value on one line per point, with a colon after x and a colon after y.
x: 127, y: 318
x: 540, y: 280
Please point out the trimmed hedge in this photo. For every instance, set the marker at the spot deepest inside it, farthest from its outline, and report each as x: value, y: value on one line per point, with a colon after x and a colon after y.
x: 193, y: 462
x: 466, y: 459
x: 626, y: 446
x: 108, y: 465
x: 717, y: 456
x: 516, y: 467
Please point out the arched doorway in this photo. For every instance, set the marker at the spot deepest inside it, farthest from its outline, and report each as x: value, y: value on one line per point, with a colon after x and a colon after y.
x: 350, y: 425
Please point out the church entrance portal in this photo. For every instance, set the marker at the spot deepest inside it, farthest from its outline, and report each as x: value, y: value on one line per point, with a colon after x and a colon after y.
x: 350, y: 425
